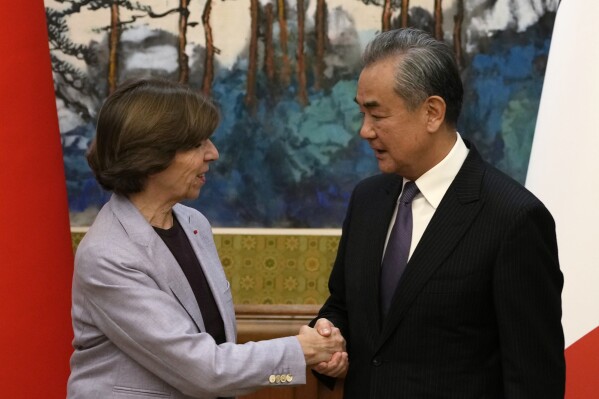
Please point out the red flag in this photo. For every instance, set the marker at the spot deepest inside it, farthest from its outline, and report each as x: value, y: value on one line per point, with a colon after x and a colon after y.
x: 582, y: 369
x: 35, y: 246
x: 563, y: 173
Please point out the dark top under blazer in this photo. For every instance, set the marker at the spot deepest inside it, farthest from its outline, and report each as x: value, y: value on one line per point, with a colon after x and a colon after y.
x: 477, y: 313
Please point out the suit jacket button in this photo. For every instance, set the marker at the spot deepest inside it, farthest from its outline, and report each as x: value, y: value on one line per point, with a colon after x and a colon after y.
x: 289, y: 378
x: 376, y: 362
x: 272, y: 379
x: 278, y: 378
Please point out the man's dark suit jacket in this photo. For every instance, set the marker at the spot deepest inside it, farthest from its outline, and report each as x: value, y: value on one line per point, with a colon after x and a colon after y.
x: 477, y: 313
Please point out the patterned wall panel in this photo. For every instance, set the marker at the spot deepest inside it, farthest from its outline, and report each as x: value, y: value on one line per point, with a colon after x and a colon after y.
x: 274, y: 269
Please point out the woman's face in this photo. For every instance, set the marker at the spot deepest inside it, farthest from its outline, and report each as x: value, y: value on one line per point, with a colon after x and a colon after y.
x: 186, y: 174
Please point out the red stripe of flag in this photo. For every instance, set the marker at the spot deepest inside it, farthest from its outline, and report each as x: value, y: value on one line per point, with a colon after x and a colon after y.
x: 582, y: 367
x: 35, y: 247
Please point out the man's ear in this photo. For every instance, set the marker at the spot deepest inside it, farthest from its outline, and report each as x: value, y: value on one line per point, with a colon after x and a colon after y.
x: 435, y: 112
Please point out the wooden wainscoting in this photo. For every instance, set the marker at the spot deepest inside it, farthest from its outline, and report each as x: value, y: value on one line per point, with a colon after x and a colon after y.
x: 259, y: 322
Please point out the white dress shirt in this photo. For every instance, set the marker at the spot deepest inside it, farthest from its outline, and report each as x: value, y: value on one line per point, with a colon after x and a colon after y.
x: 432, y: 185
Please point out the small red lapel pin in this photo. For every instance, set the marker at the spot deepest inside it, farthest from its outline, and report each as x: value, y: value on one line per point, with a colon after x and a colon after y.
x: 195, y: 232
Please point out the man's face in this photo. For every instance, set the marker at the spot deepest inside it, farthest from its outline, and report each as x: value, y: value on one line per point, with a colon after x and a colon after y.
x: 397, y: 135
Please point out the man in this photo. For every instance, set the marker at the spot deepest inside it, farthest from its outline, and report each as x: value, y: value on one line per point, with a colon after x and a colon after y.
x: 476, y: 312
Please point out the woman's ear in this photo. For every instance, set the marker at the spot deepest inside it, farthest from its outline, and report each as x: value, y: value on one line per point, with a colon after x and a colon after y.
x: 435, y: 112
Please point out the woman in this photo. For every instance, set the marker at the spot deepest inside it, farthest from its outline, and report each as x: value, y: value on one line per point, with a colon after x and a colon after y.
x: 152, y: 310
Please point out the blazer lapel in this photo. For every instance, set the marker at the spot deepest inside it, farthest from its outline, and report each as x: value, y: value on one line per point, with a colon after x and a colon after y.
x: 209, y: 260
x: 376, y: 228
x: 451, y: 220
x: 141, y: 232
x: 179, y: 285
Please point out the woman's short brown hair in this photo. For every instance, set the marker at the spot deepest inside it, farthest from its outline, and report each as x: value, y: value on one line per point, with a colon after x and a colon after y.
x: 141, y: 126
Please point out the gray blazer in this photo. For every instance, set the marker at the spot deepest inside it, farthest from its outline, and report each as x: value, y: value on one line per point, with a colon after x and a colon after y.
x: 138, y: 330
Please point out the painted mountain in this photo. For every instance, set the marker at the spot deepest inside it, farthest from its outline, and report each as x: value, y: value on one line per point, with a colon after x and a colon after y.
x: 284, y: 74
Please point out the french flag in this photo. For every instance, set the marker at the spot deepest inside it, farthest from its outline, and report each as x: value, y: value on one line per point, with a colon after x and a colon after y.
x: 564, y: 173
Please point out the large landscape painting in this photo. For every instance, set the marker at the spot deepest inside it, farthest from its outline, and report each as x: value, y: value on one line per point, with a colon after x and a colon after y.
x: 284, y: 73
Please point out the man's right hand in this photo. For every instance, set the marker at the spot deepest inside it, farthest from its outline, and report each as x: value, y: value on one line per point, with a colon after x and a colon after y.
x: 320, y: 348
x: 338, y: 364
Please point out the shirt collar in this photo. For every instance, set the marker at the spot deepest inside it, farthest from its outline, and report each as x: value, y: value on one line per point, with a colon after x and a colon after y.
x: 434, y: 183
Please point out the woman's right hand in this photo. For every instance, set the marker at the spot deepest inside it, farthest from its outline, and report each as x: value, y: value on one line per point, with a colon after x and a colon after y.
x: 318, y: 348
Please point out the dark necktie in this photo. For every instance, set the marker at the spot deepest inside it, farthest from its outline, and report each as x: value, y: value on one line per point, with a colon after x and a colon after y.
x: 398, y: 247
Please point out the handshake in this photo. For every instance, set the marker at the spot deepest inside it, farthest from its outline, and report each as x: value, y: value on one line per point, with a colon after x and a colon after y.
x: 324, y: 348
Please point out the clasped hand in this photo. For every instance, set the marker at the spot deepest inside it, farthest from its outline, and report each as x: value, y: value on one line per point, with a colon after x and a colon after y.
x: 324, y: 348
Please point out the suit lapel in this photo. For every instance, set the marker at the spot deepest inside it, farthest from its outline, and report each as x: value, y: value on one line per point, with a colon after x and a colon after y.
x: 179, y: 285
x: 451, y: 220
x: 382, y: 207
x: 141, y: 232
x: 208, y: 259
